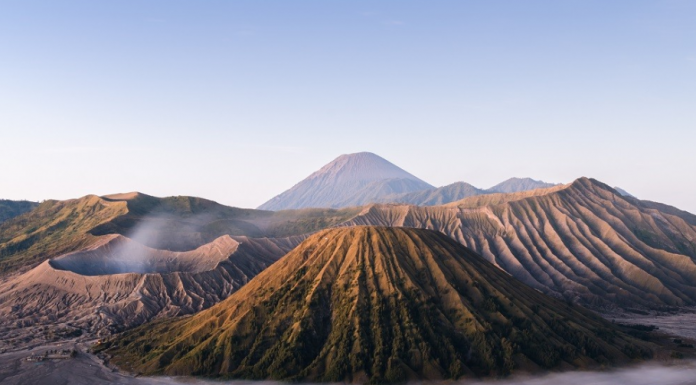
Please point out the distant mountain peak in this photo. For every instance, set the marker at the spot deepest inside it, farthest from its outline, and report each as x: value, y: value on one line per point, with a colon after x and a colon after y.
x: 513, y: 185
x: 362, y: 166
x: 349, y: 180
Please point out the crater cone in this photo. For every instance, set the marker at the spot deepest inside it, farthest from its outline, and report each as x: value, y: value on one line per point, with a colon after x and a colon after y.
x: 376, y: 304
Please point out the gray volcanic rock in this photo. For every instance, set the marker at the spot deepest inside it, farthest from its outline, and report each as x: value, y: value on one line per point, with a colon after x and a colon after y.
x: 349, y: 180
x: 104, y: 289
x: 582, y: 241
x: 513, y: 185
x: 376, y: 305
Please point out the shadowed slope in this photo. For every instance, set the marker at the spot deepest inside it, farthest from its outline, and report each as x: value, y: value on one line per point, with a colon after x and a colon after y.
x: 582, y: 241
x: 174, y: 223
x: 376, y: 304
x: 349, y: 180
x: 184, y: 223
x: 10, y: 209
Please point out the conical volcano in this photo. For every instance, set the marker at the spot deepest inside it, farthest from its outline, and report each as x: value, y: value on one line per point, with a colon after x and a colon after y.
x: 349, y: 180
x: 376, y: 304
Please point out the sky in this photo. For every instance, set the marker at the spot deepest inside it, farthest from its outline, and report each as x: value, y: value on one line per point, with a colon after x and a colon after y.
x: 236, y: 101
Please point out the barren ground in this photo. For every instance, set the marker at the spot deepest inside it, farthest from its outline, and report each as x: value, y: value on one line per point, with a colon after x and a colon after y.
x: 87, y: 369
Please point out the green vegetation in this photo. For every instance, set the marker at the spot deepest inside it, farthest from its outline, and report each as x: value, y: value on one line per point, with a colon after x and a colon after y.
x: 174, y: 223
x: 184, y: 223
x: 10, y: 209
x: 53, y: 228
x: 306, y: 221
x: 381, y: 305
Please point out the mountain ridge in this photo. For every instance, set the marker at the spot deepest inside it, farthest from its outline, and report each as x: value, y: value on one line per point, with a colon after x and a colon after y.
x: 176, y: 223
x: 436, y: 196
x: 515, y: 184
x: 582, y: 241
x: 10, y: 209
x: 376, y: 304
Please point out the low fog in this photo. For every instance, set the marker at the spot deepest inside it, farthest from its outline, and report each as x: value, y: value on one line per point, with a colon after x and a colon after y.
x: 681, y: 373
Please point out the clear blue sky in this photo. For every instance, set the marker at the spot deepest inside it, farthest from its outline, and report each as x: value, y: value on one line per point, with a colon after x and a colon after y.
x: 238, y: 100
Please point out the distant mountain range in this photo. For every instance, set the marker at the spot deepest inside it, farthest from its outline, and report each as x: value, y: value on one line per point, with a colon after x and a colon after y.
x: 435, y: 196
x: 514, y: 185
x: 403, y: 276
x: 364, y: 178
x: 582, y: 241
x: 377, y: 305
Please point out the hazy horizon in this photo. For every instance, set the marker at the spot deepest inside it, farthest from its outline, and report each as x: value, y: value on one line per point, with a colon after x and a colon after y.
x: 238, y: 101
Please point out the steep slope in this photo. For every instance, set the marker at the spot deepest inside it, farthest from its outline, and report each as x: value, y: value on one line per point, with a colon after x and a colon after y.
x: 514, y: 185
x: 119, y: 284
x: 583, y: 242
x: 10, y: 209
x: 376, y: 304
x: 433, y: 197
x: 349, y: 180
x: 53, y: 228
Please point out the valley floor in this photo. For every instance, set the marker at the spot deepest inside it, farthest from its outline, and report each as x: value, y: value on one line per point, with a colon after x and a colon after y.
x: 680, y: 324
x: 86, y: 368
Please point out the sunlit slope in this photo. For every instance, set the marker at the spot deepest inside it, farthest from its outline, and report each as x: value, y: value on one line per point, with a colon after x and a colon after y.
x: 376, y: 304
x: 582, y: 241
x: 174, y: 223
x: 53, y: 228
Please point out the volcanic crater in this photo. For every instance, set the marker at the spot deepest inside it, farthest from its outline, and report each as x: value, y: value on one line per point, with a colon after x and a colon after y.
x: 120, y: 255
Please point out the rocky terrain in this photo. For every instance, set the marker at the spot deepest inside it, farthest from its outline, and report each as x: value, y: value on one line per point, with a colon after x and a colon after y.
x: 374, y: 304
x: 583, y: 242
x: 120, y: 284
